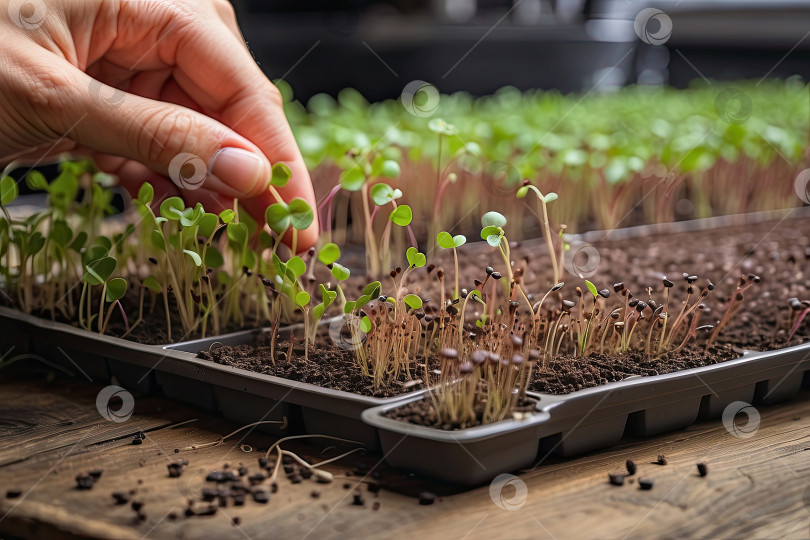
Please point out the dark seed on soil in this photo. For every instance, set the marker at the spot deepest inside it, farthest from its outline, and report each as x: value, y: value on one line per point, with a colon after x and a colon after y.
x: 273, y: 487
x: 631, y: 467
x: 13, y: 493
x: 427, y: 498
x: 137, y: 505
x: 662, y: 460
x: 645, y: 483
x: 96, y: 474
x: 346, y: 486
x: 172, y: 516
x: 120, y: 497
x: 236, y: 521
x: 358, y: 500
x: 243, y: 470
x: 703, y: 469
x: 84, y: 481
x: 616, y: 479
x: 376, y: 506
x: 306, y: 474
x: 374, y: 487
x: 239, y: 499
x: 315, y: 494
x: 296, y: 478
x: 189, y: 512
x: 137, y: 441
x: 263, y: 462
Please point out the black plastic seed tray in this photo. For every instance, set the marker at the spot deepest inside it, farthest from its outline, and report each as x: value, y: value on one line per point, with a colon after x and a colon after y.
x: 593, y: 418
x: 240, y: 395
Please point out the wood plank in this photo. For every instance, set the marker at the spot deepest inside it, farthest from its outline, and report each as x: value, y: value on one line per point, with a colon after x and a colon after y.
x: 756, y: 488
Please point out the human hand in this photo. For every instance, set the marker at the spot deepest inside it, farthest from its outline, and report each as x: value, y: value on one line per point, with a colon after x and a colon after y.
x: 155, y: 90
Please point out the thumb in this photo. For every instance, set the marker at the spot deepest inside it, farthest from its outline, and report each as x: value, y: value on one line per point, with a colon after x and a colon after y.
x: 190, y: 148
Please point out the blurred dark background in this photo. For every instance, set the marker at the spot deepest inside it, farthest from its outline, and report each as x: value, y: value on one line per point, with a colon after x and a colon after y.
x: 378, y: 46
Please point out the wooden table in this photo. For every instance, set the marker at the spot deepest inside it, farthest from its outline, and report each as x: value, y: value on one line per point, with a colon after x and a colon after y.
x: 757, y: 487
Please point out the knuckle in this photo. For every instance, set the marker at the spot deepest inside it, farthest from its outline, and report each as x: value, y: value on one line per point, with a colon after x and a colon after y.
x: 50, y: 90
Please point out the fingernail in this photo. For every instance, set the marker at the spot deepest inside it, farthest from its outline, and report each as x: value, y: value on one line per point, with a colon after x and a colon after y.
x: 240, y: 169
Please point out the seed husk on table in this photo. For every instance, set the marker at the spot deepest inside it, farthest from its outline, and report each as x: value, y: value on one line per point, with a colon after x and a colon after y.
x: 631, y: 467
x: 645, y: 483
x: 616, y: 479
x: 426, y: 498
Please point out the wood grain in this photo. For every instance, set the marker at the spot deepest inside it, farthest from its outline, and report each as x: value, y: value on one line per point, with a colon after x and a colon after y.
x: 756, y: 488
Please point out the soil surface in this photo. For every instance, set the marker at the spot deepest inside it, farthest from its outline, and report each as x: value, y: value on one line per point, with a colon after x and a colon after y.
x: 327, y: 365
x: 567, y: 374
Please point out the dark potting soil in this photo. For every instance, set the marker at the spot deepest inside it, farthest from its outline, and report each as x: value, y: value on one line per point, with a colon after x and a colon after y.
x: 327, y: 365
x: 569, y: 374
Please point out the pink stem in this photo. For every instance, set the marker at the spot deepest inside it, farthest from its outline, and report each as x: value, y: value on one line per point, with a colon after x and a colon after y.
x: 413, y: 237
x: 124, y: 315
x: 798, y: 322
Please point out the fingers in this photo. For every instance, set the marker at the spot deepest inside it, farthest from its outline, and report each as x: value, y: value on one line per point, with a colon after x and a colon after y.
x: 192, y: 149
x: 216, y: 70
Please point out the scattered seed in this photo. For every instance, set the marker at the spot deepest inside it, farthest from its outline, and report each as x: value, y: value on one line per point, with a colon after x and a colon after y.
x: 261, y: 496
x: 120, y: 497
x: 376, y: 506
x: 13, y: 493
x: 631, y: 467
x: 703, y: 469
x: 84, y: 481
x: 373, y: 487
x: 358, y: 500
x: 346, y: 485
x: 616, y: 479
x: 239, y: 499
x: 256, y: 479
x: 315, y: 494
x: 662, y: 459
x: 137, y: 505
x: 645, y: 483
x: 426, y: 498
x: 236, y: 521
x: 208, y: 494
x: 137, y: 441
x: 96, y: 474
